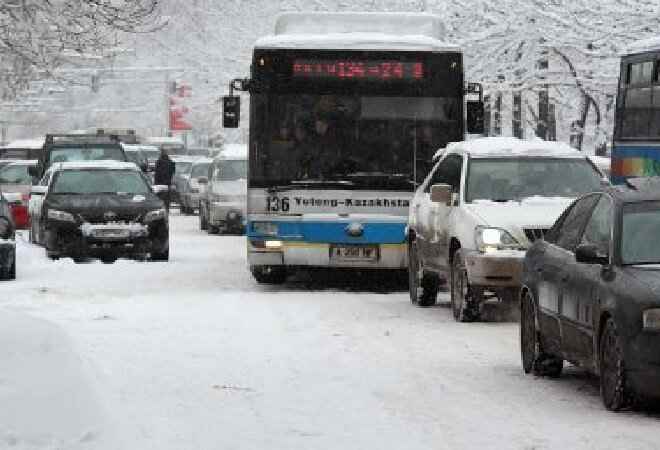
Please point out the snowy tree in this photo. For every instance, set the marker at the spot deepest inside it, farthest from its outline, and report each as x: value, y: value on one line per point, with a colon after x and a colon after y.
x: 38, y: 36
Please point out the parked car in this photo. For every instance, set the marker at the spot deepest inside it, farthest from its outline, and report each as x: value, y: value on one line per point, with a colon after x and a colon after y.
x: 135, y: 155
x: 482, y: 205
x: 190, y: 187
x: 173, y: 145
x: 22, y: 149
x: 78, y: 147
x: 7, y: 242
x: 102, y: 209
x: 183, y: 167
x: 16, y: 182
x: 591, y: 294
x: 223, y: 206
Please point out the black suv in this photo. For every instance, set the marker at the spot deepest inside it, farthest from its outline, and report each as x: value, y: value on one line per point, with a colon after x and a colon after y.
x: 7, y: 242
x: 78, y: 147
x: 103, y: 210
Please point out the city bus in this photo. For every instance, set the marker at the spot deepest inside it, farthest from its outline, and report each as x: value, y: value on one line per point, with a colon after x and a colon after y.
x: 636, y: 144
x: 346, y: 113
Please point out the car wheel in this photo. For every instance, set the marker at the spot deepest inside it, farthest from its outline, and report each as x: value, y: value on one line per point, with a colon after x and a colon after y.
x: 213, y: 229
x: 465, y: 299
x: 160, y: 256
x: 422, y: 286
x: 534, y: 359
x: 109, y: 260
x: 9, y: 273
x: 269, y: 274
x: 203, y: 223
x: 613, y: 389
x: 33, y: 233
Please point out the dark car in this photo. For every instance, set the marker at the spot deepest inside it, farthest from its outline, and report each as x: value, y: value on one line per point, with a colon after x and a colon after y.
x: 105, y: 210
x: 7, y: 242
x: 78, y: 147
x: 591, y: 295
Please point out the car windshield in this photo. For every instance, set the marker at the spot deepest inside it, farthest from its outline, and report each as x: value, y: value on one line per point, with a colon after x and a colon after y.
x: 182, y: 168
x: 200, y: 170
x: 97, y: 181
x: 506, y: 179
x: 231, y: 170
x: 87, y: 153
x: 640, y: 228
x: 15, y: 174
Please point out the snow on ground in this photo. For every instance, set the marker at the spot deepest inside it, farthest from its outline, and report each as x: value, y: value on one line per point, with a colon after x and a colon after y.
x: 192, y: 354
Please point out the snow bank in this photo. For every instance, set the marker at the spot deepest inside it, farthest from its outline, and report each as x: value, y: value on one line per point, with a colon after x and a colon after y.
x: 46, y: 401
x: 373, y: 31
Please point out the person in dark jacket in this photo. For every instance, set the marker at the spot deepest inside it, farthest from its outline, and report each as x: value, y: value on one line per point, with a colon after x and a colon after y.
x: 163, y: 174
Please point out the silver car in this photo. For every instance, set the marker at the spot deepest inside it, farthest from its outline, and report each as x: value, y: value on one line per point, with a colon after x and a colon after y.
x: 189, y: 188
x: 223, y: 206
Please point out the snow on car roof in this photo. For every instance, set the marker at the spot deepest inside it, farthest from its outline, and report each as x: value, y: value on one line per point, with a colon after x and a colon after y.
x: 33, y: 144
x: 644, y: 45
x: 492, y: 147
x: 111, y: 165
x: 185, y: 158
x: 233, y: 151
x: 138, y: 147
x: 22, y: 162
x: 163, y: 140
x: 360, y: 31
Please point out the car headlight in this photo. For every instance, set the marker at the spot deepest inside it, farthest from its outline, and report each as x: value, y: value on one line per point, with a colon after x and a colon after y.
x: 651, y: 319
x: 156, y: 214
x: 5, y: 229
x: 62, y: 216
x: 489, y: 239
x: 265, y: 228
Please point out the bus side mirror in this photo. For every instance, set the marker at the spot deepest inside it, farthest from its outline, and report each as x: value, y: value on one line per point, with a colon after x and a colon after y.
x: 475, y: 117
x: 231, y: 111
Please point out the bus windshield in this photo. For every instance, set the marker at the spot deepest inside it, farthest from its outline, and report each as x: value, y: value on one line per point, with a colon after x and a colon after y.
x: 365, y: 141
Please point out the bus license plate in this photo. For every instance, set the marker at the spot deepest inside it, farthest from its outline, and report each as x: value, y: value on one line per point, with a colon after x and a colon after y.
x: 363, y: 253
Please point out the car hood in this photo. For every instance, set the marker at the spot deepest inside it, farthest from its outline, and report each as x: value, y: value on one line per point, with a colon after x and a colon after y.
x: 94, y: 207
x: 23, y: 189
x: 515, y: 217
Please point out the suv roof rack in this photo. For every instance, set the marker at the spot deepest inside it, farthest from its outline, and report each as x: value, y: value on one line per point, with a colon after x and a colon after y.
x: 81, y: 138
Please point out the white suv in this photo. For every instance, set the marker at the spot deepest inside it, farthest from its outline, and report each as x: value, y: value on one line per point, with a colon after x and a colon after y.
x: 479, y: 209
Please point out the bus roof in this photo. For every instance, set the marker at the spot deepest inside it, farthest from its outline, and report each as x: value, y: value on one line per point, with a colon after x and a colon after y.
x: 358, y: 31
x: 645, y: 45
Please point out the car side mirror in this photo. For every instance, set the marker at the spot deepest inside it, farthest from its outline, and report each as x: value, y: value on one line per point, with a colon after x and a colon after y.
x: 588, y: 254
x: 38, y: 190
x: 203, y: 180
x: 160, y: 188
x: 441, y: 193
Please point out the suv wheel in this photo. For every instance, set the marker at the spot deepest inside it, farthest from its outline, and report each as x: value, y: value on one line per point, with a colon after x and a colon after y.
x: 465, y: 299
x: 423, y: 286
x: 269, y: 274
x: 203, y: 223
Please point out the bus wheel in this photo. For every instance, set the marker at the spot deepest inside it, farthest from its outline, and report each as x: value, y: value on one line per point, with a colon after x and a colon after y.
x: 269, y: 274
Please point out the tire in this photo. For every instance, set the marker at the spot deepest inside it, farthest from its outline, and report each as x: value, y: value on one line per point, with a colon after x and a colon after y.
x: 108, y: 260
x: 213, y: 229
x: 160, y: 256
x: 465, y: 299
x: 33, y: 235
x: 203, y: 222
x: 423, y: 286
x: 10, y: 272
x: 534, y: 359
x: 613, y: 390
x: 269, y: 274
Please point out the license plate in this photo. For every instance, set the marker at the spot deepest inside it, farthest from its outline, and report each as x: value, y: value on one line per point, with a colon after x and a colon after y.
x: 111, y: 234
x: 362, y: 253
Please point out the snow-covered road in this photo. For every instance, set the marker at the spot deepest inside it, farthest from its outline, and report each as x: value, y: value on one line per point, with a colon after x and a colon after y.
x: 193, y: 354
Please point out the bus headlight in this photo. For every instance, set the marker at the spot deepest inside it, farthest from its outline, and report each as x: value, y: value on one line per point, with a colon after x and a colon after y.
x: 489, y: 239
x: 265, y: 228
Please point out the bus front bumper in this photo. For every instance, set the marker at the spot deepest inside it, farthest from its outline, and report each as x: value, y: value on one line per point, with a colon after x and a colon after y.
x: 308, y: 255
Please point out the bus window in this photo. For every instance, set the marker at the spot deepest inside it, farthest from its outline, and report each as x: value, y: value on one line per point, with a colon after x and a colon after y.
x: 640, y: 73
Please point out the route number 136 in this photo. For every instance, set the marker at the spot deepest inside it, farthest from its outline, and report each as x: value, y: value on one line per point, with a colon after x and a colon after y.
x: 276, y: 204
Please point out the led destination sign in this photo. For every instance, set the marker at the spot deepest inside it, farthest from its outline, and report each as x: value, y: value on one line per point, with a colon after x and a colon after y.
x: 358, y: 70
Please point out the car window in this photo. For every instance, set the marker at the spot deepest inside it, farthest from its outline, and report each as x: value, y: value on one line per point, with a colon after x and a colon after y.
x: 447, y: 172
x: 15, y: 174
x: 232, y: 170
x: 570, y: 230
x: 598, y: 229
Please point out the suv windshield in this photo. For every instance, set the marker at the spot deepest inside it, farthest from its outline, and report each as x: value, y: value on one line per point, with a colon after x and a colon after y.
x: 231, y: 170
x: 86, y: 153
x: 505, y: 179
x: 640, y: 226
x: 98, y: 181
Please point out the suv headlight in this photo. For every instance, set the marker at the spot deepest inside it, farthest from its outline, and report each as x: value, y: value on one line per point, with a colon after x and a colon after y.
x: 651, y: 319
x: 156, y: 214
x: 62, y: 216
x: 265, y: 228
x: 488, y: 239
